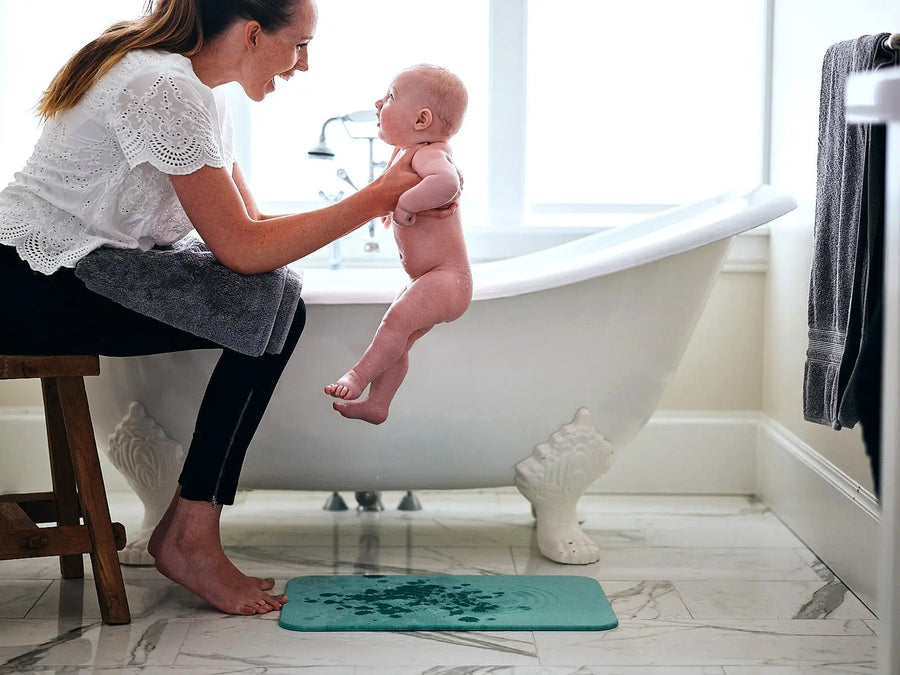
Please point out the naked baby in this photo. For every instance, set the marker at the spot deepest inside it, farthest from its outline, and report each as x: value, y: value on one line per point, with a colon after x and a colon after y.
x: 422, y: 110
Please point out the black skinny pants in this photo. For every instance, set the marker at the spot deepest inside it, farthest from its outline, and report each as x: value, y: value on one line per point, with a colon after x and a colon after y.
x: 867, y: 387
x: 56, y: 314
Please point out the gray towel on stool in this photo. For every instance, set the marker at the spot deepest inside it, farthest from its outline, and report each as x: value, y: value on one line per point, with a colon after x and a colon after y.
x: 840, y: 277
x: 184, y: 286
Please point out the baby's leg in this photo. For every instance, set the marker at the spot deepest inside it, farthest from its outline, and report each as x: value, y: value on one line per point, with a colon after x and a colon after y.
x: 423, y: 304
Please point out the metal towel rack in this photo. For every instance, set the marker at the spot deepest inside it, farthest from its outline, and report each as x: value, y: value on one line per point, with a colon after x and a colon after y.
x: 893, y: 42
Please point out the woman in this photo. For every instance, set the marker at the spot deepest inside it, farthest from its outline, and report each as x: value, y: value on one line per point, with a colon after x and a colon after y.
x: 135, y: 152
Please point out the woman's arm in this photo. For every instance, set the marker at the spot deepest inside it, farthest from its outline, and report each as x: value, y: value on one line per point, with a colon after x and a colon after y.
x: 224, y: 214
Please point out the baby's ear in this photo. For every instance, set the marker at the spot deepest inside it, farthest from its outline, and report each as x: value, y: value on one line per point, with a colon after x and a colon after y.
x: 424, y: 119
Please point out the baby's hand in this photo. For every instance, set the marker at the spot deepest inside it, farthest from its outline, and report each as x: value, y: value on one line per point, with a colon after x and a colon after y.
x: 449, y: 208
x: 403, y: 218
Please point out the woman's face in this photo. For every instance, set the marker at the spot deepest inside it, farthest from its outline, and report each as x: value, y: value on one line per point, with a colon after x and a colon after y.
x: 280, y: 53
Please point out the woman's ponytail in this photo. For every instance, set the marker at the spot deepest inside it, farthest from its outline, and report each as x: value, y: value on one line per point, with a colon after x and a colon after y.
x: 178, y: 26
x: 174, y: 25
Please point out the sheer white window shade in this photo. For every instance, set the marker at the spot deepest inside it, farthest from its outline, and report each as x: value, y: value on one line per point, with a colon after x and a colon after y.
x: 656, y: 102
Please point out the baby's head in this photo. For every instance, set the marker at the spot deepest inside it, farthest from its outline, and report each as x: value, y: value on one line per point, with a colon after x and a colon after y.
x: 424, y: 103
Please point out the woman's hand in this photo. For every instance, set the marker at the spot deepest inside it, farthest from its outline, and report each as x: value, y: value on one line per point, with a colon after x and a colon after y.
x: 394, y: 181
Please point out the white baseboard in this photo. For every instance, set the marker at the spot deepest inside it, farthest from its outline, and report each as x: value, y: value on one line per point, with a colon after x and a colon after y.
x: 830, y: 512
x: 662, y: 459
x: 697, y: 452
x: 665, y: 456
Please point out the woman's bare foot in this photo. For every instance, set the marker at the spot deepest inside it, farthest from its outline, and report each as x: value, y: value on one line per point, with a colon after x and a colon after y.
x: 190, y: 553
x: 349, y: 387
x: 367, y: 410
x: 159, y: 533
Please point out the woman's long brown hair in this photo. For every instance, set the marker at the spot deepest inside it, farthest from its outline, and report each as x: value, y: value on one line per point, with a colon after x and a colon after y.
x: 178, y: 26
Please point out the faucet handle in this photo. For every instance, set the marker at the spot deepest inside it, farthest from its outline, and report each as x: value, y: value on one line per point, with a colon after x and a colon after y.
x: 331, y: 199
x: 342, y: 174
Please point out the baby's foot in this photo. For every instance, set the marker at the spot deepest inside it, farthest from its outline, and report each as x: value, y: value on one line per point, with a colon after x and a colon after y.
x: 367, y: 410
x: 348, y: 387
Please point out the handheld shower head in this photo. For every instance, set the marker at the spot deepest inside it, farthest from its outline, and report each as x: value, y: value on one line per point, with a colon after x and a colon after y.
x: 321, y: 150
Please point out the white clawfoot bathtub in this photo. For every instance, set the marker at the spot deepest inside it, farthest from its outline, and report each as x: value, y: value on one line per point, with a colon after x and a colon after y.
x: 598, y: 324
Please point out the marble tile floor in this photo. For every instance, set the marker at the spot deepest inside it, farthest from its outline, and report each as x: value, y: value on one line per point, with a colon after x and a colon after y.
x: 701, y: 586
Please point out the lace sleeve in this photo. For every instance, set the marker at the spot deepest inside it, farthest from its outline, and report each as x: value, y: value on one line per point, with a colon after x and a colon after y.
x: 170, y: 122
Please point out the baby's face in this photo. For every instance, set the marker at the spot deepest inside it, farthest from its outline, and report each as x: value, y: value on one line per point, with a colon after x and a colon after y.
x: 399, y: 109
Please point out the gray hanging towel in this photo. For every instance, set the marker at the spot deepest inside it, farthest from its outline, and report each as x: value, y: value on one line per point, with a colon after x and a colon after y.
x: 184, y: 286
x: 846, y: 265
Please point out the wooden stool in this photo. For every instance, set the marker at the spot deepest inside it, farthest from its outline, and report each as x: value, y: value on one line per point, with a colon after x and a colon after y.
x: 78, y: 490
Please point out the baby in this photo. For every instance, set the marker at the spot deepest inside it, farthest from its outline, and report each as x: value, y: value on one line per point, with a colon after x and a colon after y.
x: 423, y: 108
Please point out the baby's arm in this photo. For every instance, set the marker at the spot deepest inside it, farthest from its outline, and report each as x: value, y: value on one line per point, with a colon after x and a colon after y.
x: 440, y: 184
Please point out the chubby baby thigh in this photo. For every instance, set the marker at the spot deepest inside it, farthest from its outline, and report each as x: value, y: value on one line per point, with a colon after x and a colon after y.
x: 437, y: 296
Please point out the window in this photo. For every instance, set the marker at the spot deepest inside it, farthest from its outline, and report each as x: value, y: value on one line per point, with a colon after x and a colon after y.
x: 581, y: 111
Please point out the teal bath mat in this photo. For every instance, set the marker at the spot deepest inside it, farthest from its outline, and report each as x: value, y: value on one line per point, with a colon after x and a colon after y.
x: 445, y: 602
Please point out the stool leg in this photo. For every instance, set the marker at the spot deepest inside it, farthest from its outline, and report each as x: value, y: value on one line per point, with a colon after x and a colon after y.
x: 68, y: 513
x: 94, y: 507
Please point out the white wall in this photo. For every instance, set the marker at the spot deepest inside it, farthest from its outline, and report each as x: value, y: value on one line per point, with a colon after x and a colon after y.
x: 800, y: 44
x: 722, y: 365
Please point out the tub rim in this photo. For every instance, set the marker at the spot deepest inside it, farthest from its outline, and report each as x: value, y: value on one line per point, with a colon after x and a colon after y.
x: 667, y: 233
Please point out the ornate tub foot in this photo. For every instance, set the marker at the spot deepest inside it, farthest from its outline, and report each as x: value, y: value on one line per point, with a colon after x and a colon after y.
x: 553, y: 480
x: 150, y: 461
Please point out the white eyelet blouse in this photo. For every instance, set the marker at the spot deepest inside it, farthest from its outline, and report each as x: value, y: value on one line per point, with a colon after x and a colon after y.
x: 99, y: 172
